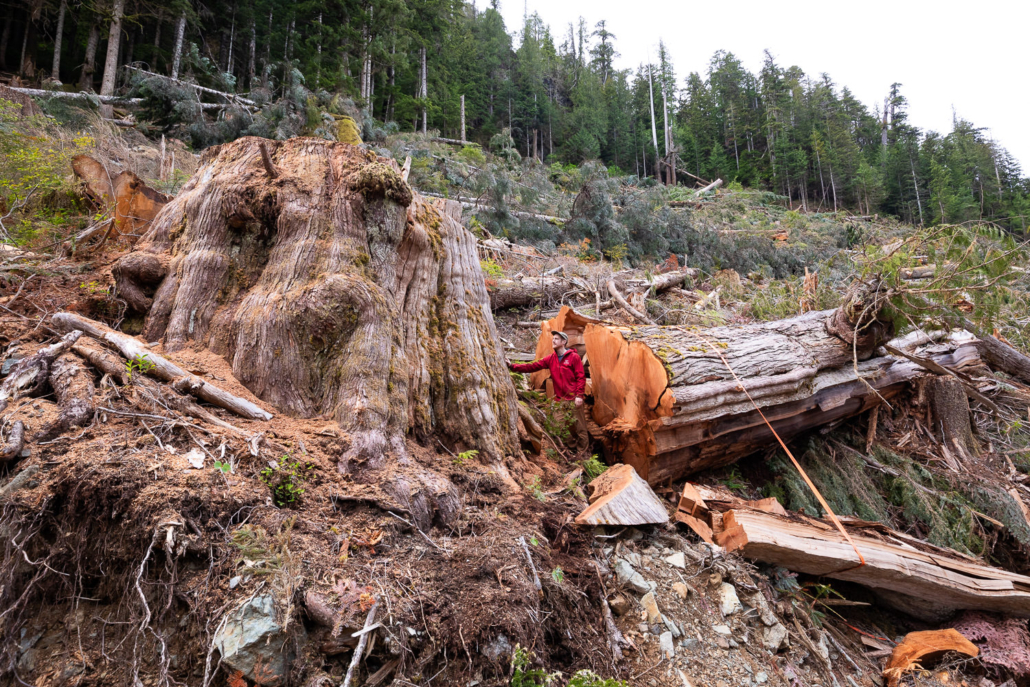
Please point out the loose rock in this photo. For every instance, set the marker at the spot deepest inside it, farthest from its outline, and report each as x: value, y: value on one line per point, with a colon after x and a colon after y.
x: 728, y: 601
x: 251, y: 639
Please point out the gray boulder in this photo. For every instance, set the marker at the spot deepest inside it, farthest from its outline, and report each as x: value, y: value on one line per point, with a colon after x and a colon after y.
x: 253, y: 642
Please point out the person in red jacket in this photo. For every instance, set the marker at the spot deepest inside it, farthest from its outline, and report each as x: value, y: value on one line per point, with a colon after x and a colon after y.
x: 566, y: 370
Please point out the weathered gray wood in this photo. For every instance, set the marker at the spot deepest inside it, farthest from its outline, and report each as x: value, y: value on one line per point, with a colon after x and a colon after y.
x: 73, y: 387
x: 620, y: 497
x: 613, y: 290
x: 164, y: 369
x: 15, y: 441
x: 937, y: 577
x: 17, y: 482
x: 30, y: 374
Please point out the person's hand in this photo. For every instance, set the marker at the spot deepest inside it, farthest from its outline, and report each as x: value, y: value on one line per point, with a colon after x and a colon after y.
x: 579, y: 402
x: 508, y: 363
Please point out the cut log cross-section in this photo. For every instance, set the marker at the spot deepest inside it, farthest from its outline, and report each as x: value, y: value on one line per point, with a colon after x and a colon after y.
x: 619, y: 497
x: 669, y: 406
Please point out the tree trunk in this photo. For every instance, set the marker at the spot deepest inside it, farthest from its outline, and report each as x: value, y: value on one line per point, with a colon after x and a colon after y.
x: 180, y: 32
x: 114, y: 41
x: 5, y: 36
x: 667, y: 404
x: 332, y: 291
x: 156, y: 52
x: 252, y: 61
x: 89, y: 63
x: 424, y: 93
x: 55, y: 67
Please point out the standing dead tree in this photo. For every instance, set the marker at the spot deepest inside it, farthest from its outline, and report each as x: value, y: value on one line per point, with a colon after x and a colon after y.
x: 333, y: 290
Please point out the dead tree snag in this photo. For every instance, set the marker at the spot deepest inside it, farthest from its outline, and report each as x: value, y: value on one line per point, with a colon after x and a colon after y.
x: 333, y: 291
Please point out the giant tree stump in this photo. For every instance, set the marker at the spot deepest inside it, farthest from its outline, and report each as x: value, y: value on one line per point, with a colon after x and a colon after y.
x: 333, y: 291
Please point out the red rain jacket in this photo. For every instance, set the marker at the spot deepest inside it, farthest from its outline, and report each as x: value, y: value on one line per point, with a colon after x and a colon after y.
x: 567, y: 373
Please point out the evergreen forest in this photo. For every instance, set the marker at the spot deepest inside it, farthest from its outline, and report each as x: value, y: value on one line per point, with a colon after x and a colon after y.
x: 554, y: 92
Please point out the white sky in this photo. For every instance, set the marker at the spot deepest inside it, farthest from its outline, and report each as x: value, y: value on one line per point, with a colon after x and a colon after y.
x: 970, y: 55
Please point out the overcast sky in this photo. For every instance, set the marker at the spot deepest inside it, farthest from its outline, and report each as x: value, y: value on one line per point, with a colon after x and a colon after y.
x: 972, y: 56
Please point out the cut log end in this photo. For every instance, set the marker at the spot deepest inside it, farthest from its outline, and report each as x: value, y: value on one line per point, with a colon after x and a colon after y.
x: 620, y: 497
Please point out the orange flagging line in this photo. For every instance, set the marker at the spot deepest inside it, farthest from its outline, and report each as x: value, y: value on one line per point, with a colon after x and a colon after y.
x: 804, y: 475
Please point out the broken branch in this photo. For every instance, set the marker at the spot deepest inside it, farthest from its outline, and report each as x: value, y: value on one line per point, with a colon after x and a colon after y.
x: 164, y: 369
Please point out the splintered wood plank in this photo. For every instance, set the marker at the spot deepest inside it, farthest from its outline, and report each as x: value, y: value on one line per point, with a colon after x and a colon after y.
x: 691, y: 503
x: 699, y: 526
x: 919, y: 647
x: 620, y: 497
x: 946, y: 582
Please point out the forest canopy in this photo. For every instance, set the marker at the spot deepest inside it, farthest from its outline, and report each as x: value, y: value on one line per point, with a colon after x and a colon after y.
x: 417, y: 66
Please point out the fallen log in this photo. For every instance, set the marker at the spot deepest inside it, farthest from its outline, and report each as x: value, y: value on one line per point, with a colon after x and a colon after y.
x: 30, y: 374
x: 912, y: 574
x: 73, y: 387
x: 105, y: 99
x: 163, y: 368
x: 619, y: 497
x: 996, y: 353
x: 476, y: 204
x: 517, y: 293
x: 232, y: 97
x: 637, y: 315
x: 669, y: 406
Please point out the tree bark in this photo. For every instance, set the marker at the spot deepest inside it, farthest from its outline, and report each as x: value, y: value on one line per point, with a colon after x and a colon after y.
x: 89, y: 63
x: 333, y: 291
x: 668, y: 405
x: 14, y: 444
x: 252, y: 60
x: 73, y: 387
x: 424, y: 91
x: 29, y: 375
x: 55, y: 67
x: 114, y: 41
x: 180, y: 32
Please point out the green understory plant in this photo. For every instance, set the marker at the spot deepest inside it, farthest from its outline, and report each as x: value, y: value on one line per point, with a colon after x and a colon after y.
x: 286, y: 480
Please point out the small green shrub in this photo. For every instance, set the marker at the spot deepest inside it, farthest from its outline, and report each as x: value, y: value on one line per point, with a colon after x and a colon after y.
x: 537, y: 490
x: 491, y: 269
x: 593, y: 467
x: 524, y: 676
x: 141, y: 364
x: 465, y: 456
x: 286, y: 480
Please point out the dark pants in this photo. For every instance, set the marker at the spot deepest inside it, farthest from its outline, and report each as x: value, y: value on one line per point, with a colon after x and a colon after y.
x: 582, y: 436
